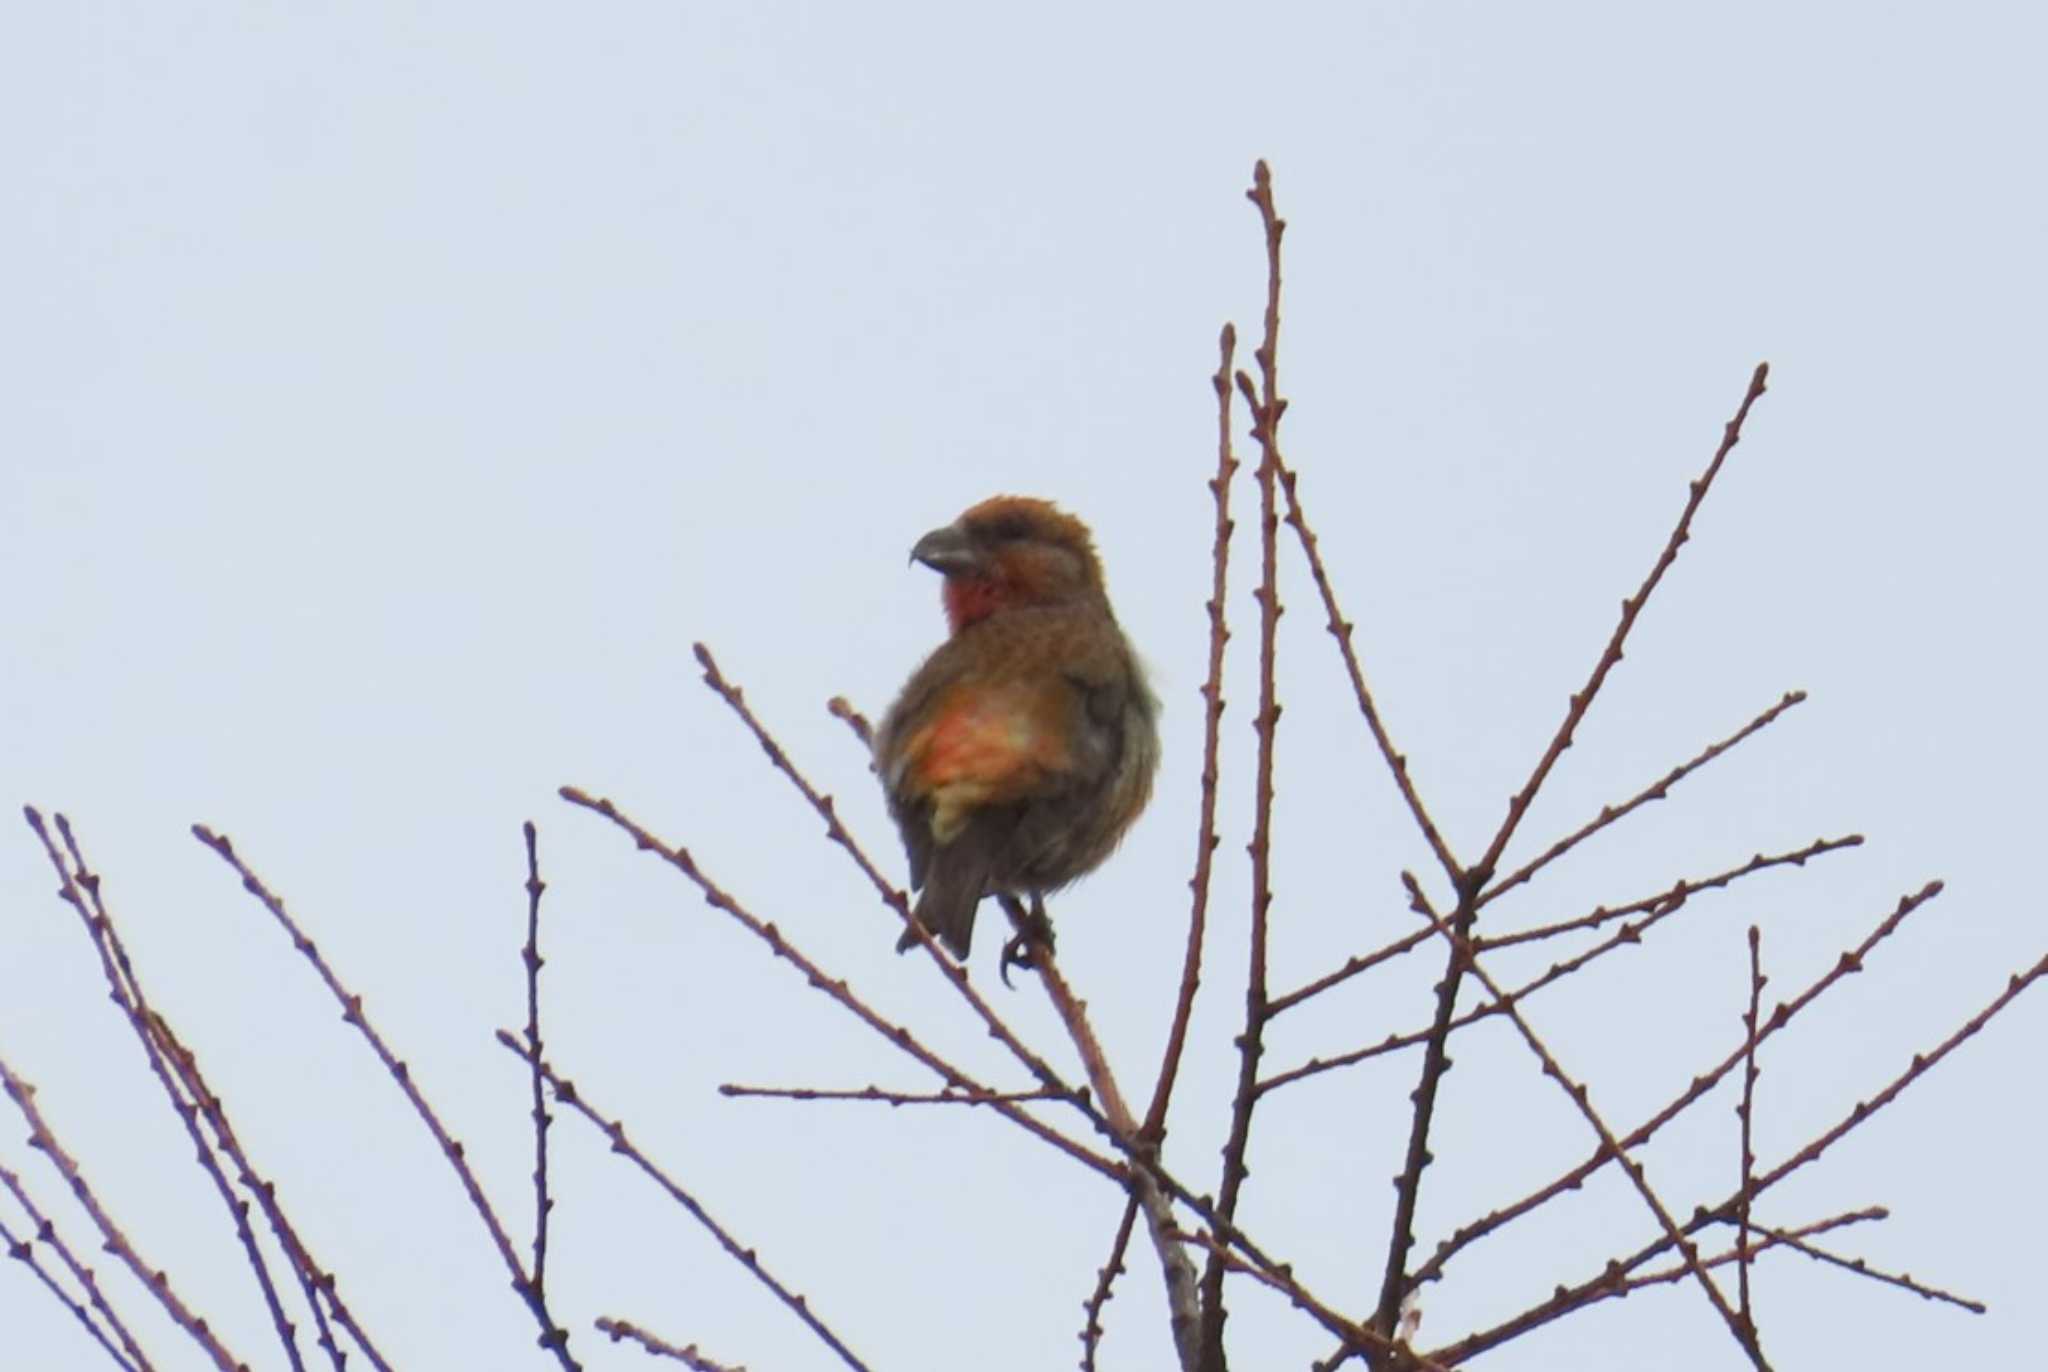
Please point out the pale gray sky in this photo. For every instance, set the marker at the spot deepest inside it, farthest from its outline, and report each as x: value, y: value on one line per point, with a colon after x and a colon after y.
x: 397, y: 393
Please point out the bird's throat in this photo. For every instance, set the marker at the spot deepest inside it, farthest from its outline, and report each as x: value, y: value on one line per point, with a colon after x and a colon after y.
x: 969, y: 600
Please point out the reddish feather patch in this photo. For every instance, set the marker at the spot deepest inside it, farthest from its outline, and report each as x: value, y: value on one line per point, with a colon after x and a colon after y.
x: 972, y: 599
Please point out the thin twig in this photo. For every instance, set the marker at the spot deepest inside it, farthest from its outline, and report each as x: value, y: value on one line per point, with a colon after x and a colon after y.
x: 1342, y: 629
x: 842, y: 709
x: 1656, y: 790
x: 839, y: 707
x: 1724, y: 1213
x: 531, y: 957
x: 1395, y: 1282
x: 177, y: 1071
x: 1679, y: 893
x: 615, y: 1130
x: 1582, y: 700
x: 552, y: 1336
x: 1773, y: 1238
x: 838, y: 990
x: 154, y: 1279
x: 1919, y: 1066
x: 948, y: 1096
x: 1357, y: 1338
x: 23, y: 1250
x: 317, y: 1283
x: 836, y: 830
x: 1610, y: 1282
x: 1659, y: 907
x: 1220, y: 1228
x: 1105, y: 1281
x: 1267, y: 407
x: 1744, y: 1111
x: 1615, y: 1272
x: 1903, y: 1280
x: 1695, y: 1089
x: 1212, y: 736
x: 78, y: 883
x: 1141, y: 1156
x: 1154, y: 1128
x: 1577, y: 1092
x: 1183, y: 1306
x: 623, y: 1330
x: 1363, y: 962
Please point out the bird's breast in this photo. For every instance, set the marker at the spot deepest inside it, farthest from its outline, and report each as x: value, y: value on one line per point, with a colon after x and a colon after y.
x: 982, y: 746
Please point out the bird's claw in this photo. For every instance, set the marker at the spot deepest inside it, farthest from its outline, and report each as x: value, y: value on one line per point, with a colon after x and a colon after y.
x: 1016, y: 953
x: 1034, y: 930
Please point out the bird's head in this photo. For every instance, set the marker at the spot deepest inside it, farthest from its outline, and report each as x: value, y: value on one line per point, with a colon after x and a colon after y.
x: 1010, y: 551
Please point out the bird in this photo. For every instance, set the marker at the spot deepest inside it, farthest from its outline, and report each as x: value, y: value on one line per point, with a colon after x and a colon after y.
x: 1021, y: 751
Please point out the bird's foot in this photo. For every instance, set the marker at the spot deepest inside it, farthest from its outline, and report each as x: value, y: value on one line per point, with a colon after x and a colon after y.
x: 1034, y: 931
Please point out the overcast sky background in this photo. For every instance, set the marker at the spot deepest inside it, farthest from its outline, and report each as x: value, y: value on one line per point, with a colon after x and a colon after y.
x: 394, y: 394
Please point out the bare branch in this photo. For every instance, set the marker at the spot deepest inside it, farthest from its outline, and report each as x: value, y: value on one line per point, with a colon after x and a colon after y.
x: 1920, y: 1065
x: 839, y: 707
x: 1744, y: 1111
x: 955, y: 974
x: 1341, y: 629
x: 317, y: 1283
x: 1577, y: 1092
x: 1395, y: 1283
x: 615, y: 1130
x: 1903, y: 1280
x: 1105, y: 1280
x: 1773, y: 1238
x: 552, y: 1337
x: 1356, y: 1338
x: 1212, y: 733
x: 1182, y: 1299
x: 622, y: 1330
x: 838, y: 990
x: 1267, y: 407
x: 948, y: 1096
x: 1679, y: 893
x: 1363, y: 962
x: 154, y: 1279
x: 1656, y: 790
x: 1660, y: 908
x: 77, y: 884
x: 1518, y: 805
x: 1613, y: 1281
x: 531, y: 958
x: 1724, y: 1213
x: 1850, y: 962
x: 23, y: 1250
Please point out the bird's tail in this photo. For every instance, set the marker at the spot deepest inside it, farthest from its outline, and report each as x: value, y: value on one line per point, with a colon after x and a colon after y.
x: 951, y: 895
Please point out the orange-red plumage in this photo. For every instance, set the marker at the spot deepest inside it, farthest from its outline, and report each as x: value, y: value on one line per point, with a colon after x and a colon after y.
x: 1024, y: 747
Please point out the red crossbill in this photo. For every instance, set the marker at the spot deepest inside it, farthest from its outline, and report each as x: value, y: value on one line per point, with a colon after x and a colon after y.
x: 1022, y: 749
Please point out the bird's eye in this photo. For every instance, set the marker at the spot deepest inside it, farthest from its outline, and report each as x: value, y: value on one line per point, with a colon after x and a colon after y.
x: 1007, y: 529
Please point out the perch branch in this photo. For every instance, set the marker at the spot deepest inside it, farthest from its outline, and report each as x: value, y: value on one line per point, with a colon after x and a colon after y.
x: 841, y: 993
